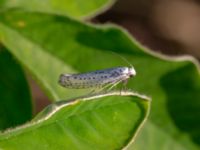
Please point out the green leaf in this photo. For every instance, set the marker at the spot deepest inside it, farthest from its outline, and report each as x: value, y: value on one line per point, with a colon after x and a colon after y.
x: 50, y: 45
x: 15, y: 100
x: 106, y: 121
x: 182, y: 89
x: 75, y: 8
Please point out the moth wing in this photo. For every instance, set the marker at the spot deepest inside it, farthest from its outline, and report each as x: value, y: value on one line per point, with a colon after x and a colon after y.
x: 65, y: 79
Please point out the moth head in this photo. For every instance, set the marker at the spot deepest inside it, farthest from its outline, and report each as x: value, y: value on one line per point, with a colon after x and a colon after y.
x: 131, y: 72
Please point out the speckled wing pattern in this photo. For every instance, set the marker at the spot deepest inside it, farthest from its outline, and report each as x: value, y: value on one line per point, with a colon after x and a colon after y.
x: 97, y: 78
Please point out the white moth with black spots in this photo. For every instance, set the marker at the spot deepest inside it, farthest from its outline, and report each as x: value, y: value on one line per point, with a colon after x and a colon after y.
x: 97, y: 79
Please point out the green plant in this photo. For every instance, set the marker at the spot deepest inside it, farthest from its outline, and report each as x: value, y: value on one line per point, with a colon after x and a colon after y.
x: 48, y: 39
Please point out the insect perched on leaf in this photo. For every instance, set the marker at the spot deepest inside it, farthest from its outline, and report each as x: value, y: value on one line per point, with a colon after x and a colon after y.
x: 101, y: 79
x: 97, y: 79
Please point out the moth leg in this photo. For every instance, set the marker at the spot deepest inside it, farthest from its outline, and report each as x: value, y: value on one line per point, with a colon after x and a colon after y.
x: 109, y: 86
x: 92, y: 92
x: 101, y: 88
x: 124, y: 85
x: 114, y: 84
x: 105, y: 86
x: 95, y: 90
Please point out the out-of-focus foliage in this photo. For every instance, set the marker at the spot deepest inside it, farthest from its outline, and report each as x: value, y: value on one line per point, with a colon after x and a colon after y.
x: 75, y: 8
x: 15, y: 99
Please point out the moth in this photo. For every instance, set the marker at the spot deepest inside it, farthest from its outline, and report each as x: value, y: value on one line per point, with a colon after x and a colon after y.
x: 97, y: 79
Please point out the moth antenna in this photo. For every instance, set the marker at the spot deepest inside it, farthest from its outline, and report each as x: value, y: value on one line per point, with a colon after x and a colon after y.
x: 123, y: 58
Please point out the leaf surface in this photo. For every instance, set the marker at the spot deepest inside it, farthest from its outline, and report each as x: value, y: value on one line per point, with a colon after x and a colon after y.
x: 106, y: 121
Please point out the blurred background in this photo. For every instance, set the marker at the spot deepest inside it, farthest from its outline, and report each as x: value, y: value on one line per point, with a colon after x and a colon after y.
x: 167, y: 26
